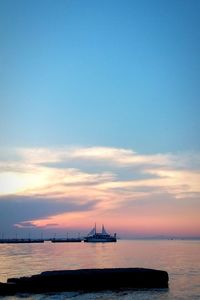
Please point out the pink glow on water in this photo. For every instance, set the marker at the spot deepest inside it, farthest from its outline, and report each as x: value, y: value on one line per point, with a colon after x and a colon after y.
x: 179, y: 258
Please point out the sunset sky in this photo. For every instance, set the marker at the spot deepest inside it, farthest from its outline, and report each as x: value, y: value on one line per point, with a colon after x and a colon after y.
x: 99, y: 117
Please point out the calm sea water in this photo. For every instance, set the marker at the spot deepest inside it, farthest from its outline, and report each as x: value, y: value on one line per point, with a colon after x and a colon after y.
x: 180, y: 258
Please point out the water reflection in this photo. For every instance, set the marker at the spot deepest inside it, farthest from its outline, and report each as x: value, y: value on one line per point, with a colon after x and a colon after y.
x: 179, y: 258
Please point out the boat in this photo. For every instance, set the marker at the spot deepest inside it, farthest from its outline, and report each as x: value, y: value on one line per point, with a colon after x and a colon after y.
x: 100, y: 237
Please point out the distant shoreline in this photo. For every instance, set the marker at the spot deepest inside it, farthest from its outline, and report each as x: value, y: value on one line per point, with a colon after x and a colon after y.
x: 36, y: 240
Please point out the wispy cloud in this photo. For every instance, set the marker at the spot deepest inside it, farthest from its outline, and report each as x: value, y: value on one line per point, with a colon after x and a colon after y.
x: 110, y: 178
x: 17, y: 209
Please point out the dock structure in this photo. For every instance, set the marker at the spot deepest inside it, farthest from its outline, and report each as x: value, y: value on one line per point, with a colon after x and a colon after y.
x: 86, y: 280
x: 67, y: 240
x: 20, y: 241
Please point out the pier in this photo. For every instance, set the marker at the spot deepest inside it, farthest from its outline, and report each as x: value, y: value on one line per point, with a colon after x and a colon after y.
x: 20, y: 241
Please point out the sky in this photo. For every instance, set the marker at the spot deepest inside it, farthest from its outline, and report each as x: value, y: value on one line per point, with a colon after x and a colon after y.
x: 99, y: 117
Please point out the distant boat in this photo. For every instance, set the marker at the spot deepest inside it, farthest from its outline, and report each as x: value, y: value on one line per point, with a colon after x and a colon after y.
x: 99, y: 237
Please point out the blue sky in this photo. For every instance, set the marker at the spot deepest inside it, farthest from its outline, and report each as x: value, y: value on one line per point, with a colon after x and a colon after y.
x: 113, y: 73
x: 99, y: 114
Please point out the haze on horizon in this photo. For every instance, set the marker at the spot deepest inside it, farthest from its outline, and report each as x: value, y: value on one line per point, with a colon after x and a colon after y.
x: 99, y: 117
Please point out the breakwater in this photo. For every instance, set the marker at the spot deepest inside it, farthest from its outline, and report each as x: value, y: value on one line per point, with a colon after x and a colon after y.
x: 86, y: 280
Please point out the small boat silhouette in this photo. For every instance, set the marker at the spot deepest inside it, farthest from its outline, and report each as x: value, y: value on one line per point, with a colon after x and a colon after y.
x: 100, y: 237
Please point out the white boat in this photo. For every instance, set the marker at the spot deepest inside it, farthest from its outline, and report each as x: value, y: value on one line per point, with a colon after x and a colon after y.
x: 99, y: 237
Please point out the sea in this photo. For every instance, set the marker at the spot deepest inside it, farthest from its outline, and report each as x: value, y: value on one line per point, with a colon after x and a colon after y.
x: 180, y: 258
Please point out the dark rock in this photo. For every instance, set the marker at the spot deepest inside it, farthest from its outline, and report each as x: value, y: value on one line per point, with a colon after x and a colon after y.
x: 86, y: 280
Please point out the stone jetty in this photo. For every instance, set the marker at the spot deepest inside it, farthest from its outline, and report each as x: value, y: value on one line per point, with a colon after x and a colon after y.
x: 86, y: 280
